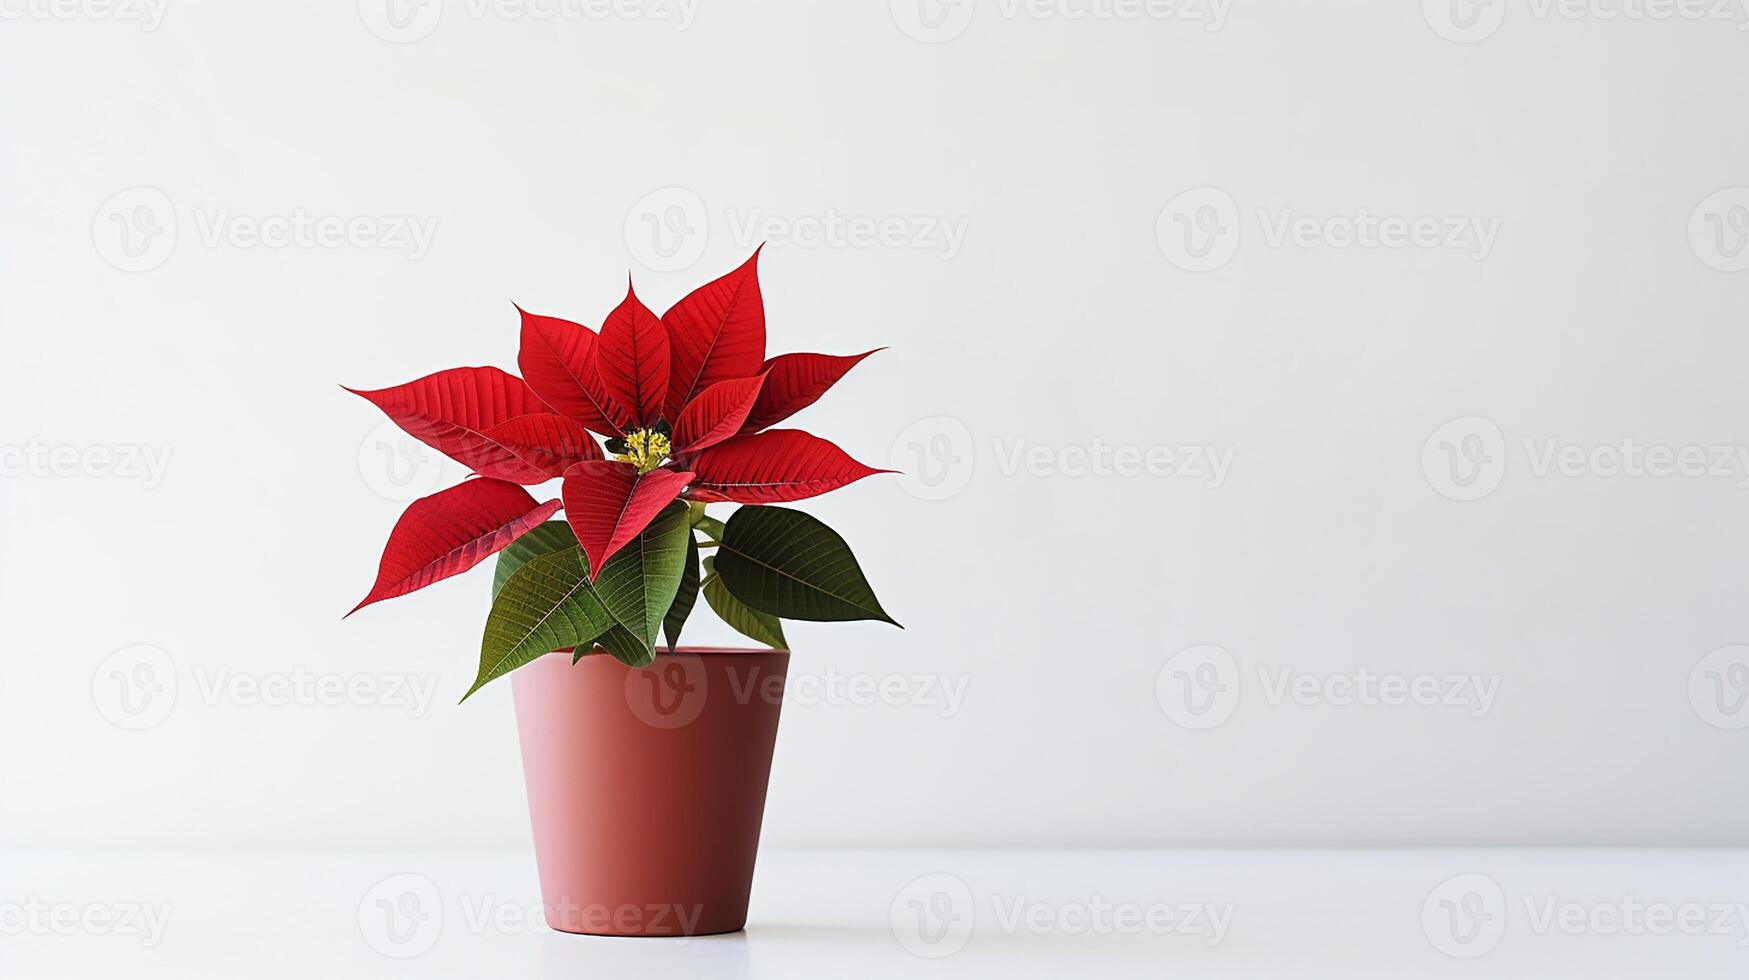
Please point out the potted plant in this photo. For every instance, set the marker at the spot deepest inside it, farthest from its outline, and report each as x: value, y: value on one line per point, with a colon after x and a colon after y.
x: 646, y: 764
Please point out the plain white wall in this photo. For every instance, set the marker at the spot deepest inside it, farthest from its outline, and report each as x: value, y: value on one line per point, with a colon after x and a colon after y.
x: 1038, y: 291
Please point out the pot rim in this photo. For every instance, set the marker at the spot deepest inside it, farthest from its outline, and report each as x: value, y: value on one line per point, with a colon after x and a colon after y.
x: 718, y: 651
x: 705, y: 651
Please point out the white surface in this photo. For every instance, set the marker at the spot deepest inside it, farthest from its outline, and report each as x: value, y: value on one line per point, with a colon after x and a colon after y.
x: 1002, y: 914
x: 1051, y: 599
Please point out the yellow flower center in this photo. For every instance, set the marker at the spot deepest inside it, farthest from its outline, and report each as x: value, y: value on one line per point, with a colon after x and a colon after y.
x: 646, y: 449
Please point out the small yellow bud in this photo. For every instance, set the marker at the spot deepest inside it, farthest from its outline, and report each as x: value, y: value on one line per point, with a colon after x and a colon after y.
x: 646, y: 449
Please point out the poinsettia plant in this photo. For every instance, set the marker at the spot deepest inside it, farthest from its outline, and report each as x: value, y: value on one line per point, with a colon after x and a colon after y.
x: 646, y: 423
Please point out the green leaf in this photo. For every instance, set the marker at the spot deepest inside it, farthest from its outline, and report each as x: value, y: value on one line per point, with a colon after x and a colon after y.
x: 624, y: 647
x: 546, y: 539
x: 639, y: 583
x: 786, y: 563
x: 751, y: 623
x: 544, y: 605
x: 684, y: 599
x: 549, y: 537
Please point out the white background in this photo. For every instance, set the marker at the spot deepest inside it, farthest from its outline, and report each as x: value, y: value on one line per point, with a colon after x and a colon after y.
x: 555, y: 154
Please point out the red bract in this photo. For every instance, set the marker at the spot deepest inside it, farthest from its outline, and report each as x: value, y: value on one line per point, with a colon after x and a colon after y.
x: 609, y: 503
x: 632, y: 364
x: 682, y: 399
x: 793, y: 382
x: 466, y: 414
x: 772, y: 467
x: 558, y: 362
x: 717, y: 413
x: 450, y: 532
x: 716, y: 333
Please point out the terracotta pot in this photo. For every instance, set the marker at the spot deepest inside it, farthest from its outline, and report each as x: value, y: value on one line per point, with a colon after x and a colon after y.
x: 647, y: 787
